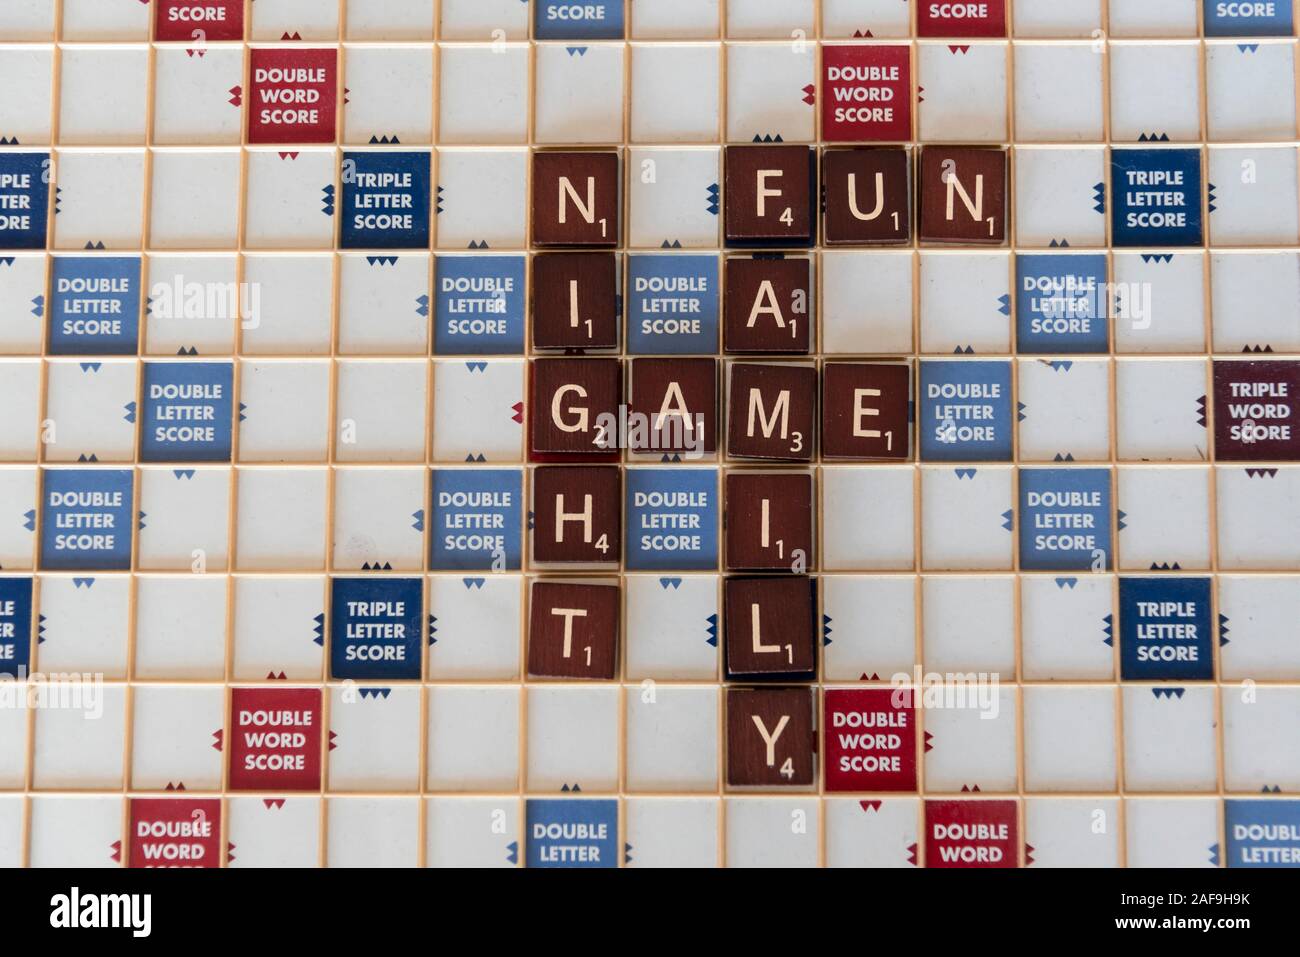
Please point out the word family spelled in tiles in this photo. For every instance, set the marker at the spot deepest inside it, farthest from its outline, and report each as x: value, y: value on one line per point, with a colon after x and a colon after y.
x: 640, y: 433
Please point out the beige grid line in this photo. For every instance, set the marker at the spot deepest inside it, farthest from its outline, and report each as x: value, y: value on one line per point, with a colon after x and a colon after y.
x: 918, y: 571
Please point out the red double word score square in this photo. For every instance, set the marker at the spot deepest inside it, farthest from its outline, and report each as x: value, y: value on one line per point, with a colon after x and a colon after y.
x: 867, y: 93
x: 198, y: 21
x: 275, y: 739
x: 175, y: 832
x: 870, y: 740
x: 294, y: 96
x: 969, y: 18
x: 971, y: 834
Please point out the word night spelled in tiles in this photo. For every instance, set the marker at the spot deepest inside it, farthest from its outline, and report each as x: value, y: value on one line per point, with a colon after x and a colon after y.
x: 646, y: 433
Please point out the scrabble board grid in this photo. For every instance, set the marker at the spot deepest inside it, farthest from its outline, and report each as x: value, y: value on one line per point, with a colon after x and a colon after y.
x: 628, y: 686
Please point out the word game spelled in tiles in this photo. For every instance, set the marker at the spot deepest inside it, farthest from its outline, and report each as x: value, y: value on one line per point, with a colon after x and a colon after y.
x: 474, y: 433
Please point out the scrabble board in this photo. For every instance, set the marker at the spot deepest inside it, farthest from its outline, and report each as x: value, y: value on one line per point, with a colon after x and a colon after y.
x: 690, y: 433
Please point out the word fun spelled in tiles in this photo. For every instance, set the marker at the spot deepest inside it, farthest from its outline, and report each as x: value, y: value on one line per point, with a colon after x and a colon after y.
x: 650, y: 433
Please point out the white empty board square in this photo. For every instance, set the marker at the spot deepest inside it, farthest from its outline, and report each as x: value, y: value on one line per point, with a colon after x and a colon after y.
x: 1253, y: 196
x: 965, y: 92
x: 1058, y: 92
x: 1155, y: 91
x: 968, y: 623
x: 1070, y: 739
x: 572, y: 738
x: 281, y: 519
x: 373, y: 748
x: 1160, y: 406
x: 174, y: 728
x: 194, y: 304
x: 473, y: 738
x: 1057, y: 18
x: 973, y: 746
x: 284, y: 411
x: 279, y: 627
x: 1155, y: 715
x: 771, y: 832
x: 1254, y: 295
x: 1060, y: 196
x: 193, y: 99
x: 372, y: 832
x: 672, y: 739
x: 184, y: 519
x: 92, y: 408
x: 1153, y: 18
x: 863, y: 18
x: 1067, y: 627
x: 882, y: 535
x: 100, y: 199
x: 966, y: 518
x: 483, y: 93
x: 368, y: 392
x: 1172, y: 832
x: 80, y: 748
x: 472, y: 831
x: 294, y: 19
x: 180, y: 626
x: 289, y: 199
x: 1259, y: 619
x: 269, y: 832
x: 476, y: 627
x: 478, y: 410
x: 103, y: 95
x: 383, y: 304
x: 1159, y: 301
x: 868, y: 626
x: 964, y: 299
x: 27, y: 72
x: 770, y: 92
x: 872, y: 833
x: 22, y: 295
x: 672, y: 627
x: 86, y: 624
x: 371, y: 113
x: 579, y: 93
x: 770, y: 19
x: 20, y: 392
x: 675, y: 92
x: 482, y: 196
x: 1259, y: 752
x: 1258, y: 517
x: 75, y: 830
x: 675, y: 19
x: 1250, y: 90
x: 672, y: 832
x: 1073, y: 832
x: 1163, y: 517
x: 669, y: 197
x: 379, y: 519
x: 867, y: 302
x: 12, y: 813
x: 28, y: 20
x: 105, y: 20
x: 408, y: 20
x: 483, y: 20
x: 1059, y: 419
